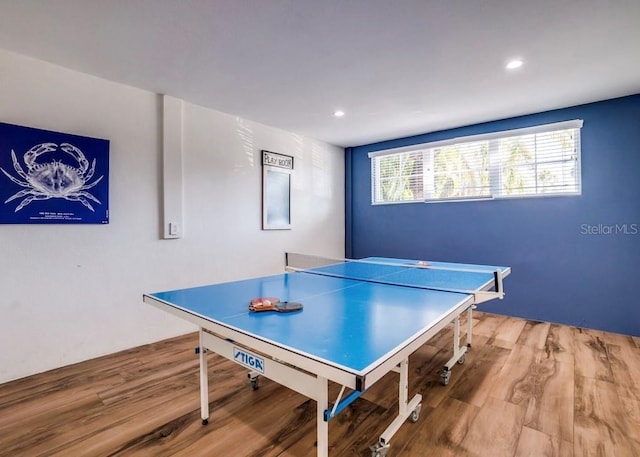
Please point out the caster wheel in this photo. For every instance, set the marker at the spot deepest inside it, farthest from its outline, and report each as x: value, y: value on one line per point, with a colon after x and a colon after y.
x: 379, y: 450
x: 254, y: 377
x: 415, y: 414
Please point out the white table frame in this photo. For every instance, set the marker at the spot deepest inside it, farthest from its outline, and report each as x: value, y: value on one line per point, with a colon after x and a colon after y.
x: 310, y: 376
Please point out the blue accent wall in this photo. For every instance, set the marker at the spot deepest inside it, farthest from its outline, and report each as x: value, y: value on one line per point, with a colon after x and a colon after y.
x: 575, y: 259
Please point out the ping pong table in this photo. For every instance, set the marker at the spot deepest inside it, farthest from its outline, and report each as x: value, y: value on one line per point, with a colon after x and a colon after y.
x: 360, y: 320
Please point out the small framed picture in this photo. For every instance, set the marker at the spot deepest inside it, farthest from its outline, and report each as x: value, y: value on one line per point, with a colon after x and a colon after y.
x: 276, y: 191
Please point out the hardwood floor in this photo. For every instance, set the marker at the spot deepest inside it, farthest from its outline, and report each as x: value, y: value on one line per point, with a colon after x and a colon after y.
x: 526, y: 389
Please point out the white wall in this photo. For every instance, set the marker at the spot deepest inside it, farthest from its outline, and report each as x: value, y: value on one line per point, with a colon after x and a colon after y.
x: 73, y: 292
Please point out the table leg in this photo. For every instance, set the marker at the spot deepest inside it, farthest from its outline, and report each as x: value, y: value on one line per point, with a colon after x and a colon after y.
x: 204, y: 383
x: 403, y: 388
x: 458, y: 352
x: 406, y: 410
x: 469, y: 326
x: 456, y: 337
x: 323, y: 426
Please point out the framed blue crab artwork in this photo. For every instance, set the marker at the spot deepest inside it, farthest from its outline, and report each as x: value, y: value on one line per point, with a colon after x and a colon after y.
x: 52, y: 178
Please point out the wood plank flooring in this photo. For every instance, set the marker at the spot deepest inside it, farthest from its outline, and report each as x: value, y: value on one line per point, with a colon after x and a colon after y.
x: 526, y: 389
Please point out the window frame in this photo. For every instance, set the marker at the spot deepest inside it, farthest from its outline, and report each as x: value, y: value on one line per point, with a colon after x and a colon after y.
x: 495, y: 164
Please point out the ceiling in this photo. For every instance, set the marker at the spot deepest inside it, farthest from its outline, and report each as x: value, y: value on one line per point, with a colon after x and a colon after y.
x: 396, y: 68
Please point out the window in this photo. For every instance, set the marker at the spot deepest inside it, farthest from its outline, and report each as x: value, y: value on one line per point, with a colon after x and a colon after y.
x: 535, y: 161
x: 399, y: 177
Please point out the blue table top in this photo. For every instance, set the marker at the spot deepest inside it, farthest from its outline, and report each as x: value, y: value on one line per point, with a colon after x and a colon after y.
x: 350, y: 323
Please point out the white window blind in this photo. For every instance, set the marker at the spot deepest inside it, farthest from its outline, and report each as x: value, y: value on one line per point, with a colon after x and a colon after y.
x: 399, y: 177
x: 536, y: 161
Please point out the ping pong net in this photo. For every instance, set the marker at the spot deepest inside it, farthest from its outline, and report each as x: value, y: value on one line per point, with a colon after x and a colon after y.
x: 484, y: 282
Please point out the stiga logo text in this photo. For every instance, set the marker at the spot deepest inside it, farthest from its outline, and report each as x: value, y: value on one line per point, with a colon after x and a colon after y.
x: 248, y: 359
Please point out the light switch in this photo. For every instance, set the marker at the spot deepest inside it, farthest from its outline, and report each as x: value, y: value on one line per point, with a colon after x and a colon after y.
x: 173, y: 228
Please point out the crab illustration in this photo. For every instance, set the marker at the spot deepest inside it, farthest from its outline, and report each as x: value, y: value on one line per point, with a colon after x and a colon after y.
x: 53, y: 179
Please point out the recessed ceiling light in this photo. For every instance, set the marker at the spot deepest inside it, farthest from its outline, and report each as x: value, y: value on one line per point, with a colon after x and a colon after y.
x: 513, y: 64
x: 338, y: 113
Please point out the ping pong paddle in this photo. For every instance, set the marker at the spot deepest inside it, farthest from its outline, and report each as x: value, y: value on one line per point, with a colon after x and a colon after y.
x: 264, y: 301
x: 273, y: 304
